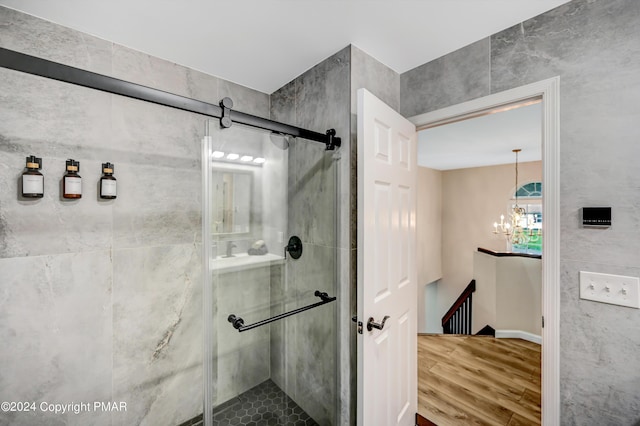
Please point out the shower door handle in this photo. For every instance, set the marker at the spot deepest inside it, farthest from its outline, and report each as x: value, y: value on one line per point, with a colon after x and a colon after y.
x: 371, y: 324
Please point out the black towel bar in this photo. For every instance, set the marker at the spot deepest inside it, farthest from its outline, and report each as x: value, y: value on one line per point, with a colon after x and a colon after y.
x: 238, y: 323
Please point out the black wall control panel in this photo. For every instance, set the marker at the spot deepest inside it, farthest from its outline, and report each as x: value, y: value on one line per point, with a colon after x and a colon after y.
x: 596, y: 217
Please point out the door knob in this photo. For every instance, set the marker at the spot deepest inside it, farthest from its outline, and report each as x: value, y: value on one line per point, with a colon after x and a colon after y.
x: 371, y: 324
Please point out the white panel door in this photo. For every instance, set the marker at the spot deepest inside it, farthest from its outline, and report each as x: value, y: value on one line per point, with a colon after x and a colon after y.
x: 387, y: 175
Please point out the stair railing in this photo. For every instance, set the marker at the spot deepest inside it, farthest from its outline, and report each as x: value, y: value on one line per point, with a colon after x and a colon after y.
x: 457, y: 320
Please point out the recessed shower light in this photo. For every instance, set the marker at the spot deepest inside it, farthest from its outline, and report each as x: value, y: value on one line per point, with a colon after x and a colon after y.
x: 246, y: 158
x: 259, y: 160
x: 217, y: 154
x: 232, y: 156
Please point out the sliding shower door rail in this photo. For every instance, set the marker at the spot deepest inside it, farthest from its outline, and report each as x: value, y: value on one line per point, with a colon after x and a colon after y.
x: 238, y: 323
x: 18, y: 61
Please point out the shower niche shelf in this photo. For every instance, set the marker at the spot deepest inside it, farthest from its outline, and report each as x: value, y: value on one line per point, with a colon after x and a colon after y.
x: 242, y: 262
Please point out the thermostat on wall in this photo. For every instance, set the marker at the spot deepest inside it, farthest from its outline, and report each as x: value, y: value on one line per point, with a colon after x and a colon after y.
x: 598, y: 217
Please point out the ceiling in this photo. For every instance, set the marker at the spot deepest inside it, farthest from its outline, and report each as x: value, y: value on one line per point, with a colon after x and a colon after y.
x: 487, y: 140
x: 264, y: 44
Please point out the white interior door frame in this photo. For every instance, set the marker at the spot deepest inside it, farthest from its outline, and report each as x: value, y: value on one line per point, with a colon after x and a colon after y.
x: 549, y: 90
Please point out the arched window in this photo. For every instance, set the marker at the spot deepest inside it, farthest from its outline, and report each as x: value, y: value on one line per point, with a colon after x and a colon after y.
x: 529, y: 190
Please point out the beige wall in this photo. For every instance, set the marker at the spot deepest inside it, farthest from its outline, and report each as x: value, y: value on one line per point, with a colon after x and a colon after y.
x: 428, y: 246
x: 484, y: 298
x: 519, y: 294
x: 429, y: 225
x: 472, y: 200
x: 508, y: 293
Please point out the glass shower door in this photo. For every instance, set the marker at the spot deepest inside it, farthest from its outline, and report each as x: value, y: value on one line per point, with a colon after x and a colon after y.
x: 261, y: 189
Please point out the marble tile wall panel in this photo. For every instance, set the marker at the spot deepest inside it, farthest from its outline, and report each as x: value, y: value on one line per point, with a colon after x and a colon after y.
x: 596, y: 338
x: 33, y: 36
x: 316, y: 100
x: 157, y: 164
x: 612, y: 180
x: 454, y: 78
x: 69, y: 118
x: 69, y: 122
x: 322, y: 102
x: 323, y: 98
x: 312, y: 193
x: 319, y: 99
x: 283, y: 104
x: 322, y: 95
x: 243, y: 358
x: 56, y: 333
x: 157, y: 334
x: 162, y: 130
x: 588, y: 41
x: 141, y: 68
x: 311, y: 345
x: 156, y: 206
x: 203, y: 87
x: 150, y: 71
x: 147, y: 133
x: 374, y: 76
x: 244, y: 99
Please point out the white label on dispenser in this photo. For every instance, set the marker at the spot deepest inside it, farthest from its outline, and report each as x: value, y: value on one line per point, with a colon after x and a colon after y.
x: 73, y: 186
x: 32, y: 184
x: 108, y: 188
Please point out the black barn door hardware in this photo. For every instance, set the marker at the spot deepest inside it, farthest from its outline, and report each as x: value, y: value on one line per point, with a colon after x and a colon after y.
x: 22, y: 62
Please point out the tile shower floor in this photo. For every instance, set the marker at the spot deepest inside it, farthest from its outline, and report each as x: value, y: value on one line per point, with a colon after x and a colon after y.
x: 263, y: 405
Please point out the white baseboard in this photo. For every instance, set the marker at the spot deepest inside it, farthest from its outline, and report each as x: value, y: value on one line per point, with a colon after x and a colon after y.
x: 519, y: 334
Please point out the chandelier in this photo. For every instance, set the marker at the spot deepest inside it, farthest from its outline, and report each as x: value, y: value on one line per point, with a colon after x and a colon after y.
x: 518, y: 227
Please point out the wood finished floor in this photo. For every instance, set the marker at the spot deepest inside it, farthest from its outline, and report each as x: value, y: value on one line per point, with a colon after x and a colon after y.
x: 478, y: 380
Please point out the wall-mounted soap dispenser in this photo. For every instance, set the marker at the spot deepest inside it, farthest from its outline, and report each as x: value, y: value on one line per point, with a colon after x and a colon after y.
x: 32, y: 179
x: 108, y: 188
x: 72, y: 182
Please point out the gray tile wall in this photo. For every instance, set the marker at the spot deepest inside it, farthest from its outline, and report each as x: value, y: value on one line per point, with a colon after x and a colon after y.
x: 304, y: 347
x: 243, y: 358
x: 102, y: 300
x: 454, y: 78
x: 374, y: 76
x: 594, y: 47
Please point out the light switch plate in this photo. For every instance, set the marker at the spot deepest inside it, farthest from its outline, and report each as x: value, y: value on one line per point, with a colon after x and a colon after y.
x: 613, y: 289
